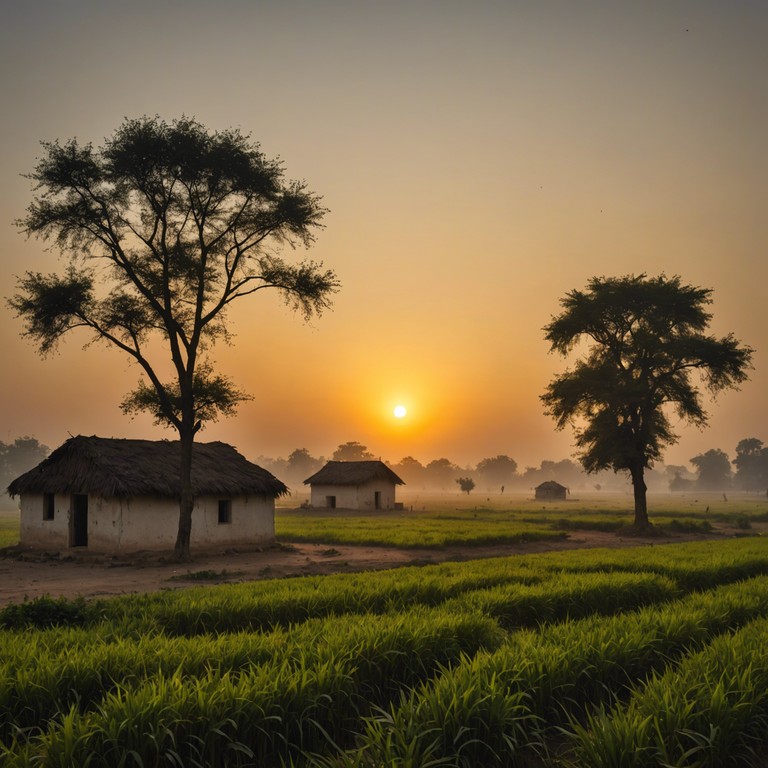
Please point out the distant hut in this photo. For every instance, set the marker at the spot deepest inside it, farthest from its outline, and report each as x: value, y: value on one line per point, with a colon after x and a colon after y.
x: 364, y: 485
x: 113, y: 495
x: 550, y: 491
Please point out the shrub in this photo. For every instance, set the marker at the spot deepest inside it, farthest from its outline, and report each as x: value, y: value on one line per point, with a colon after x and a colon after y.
x: 45, y: 612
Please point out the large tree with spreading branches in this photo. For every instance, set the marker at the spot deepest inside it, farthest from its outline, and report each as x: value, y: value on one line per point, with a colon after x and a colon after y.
x: 646, y: 340
x: 163, y: 228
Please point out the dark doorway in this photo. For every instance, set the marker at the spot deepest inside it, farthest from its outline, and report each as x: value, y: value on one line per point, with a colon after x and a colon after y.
x: 377, y: 499
x: 79, y: 520
x: 330, y: 502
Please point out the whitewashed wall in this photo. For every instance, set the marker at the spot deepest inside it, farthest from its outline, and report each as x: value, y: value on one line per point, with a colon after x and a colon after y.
x: 355, y: 496
x: 130, y: 525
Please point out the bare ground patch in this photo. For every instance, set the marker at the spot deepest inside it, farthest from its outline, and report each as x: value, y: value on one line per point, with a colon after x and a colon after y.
x: 26, y: 574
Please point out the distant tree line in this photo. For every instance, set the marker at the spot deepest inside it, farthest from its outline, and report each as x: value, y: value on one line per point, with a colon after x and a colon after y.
x: 713, y: 471
x: 716, y: 472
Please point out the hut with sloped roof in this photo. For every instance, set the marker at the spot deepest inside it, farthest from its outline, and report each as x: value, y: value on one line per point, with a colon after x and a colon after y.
x: 117, y: 496
x: 550, y: 491
x: 362, y: 485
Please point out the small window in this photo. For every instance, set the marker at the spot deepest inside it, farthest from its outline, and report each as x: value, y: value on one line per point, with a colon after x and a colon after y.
x: 49, y: 506
x: 225, y: 511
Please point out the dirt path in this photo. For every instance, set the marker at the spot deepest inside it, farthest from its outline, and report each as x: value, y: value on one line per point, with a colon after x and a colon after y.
x: 29, y: 575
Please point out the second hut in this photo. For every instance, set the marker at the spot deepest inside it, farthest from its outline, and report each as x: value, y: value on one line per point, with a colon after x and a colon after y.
x: 363, y: 485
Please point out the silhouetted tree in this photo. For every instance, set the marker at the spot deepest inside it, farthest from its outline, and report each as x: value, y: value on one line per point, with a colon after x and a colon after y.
x: 176, y: 223
x: 466, y: 484
x: 565, y: 471
x: 714, y: 469
x: 19, y: 457
x: 301, y: 464
x: 410, y: 470
x: 352, y: 451
x: 751, y: 465
x: 678, y: 478
x: 440, y: 473
x: 497, y: 471
x: 646, y: 338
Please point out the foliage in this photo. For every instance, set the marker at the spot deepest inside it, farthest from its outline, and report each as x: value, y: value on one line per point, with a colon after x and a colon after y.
x: 164, y: 227
x: 18, y: 457
x: 647, y: 336
x: 45, y: 611
x: 440, y: 473
x: 497, y: 471
x: 751, y: 465
x: 714, y: 470
x: 410, y: 471
x: 352, y: 451
x: 301, y: 464
x: 466, y: 484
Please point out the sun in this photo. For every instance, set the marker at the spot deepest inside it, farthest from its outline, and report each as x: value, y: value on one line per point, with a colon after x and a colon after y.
x: 400, y: 412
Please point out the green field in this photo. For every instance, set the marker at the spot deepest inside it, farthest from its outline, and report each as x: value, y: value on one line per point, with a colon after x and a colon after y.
x: 9, y: 528
x: 651, y: 656
x: 436, y: 521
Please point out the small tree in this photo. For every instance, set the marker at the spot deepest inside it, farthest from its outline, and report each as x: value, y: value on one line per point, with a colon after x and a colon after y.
x: 714, y: 469
x: 410, y: 470
x: 439, y: 473
x: 301, y: 464
x: 176, y: 223
x: 466, y: 484
x: 18, y: 457
x: 352, y: 451
x: 497, y: 471
x: 751, y: 465
x: 647, y: 338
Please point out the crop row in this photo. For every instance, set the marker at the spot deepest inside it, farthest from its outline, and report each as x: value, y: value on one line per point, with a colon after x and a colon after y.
x: 53, y: 670
x: 711, y: 710
x: 186, y: 678
x: 266, y: 604
x: 278, y: 692
x: 500, y: 707
x: 452, y: 687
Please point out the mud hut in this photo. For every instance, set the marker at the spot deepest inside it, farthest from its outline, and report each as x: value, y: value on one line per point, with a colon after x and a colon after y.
x: 363, y: 485
x: 550, y: 491
x: 115, y: 496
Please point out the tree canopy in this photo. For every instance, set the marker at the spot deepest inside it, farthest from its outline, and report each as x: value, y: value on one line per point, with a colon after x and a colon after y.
x: 714, y: 468
x: 466, y: 484
x: 352, y: 451
x: 497, y: 471
x: 646, y: 338
x: 164, y: 227
x: 751, y: 465
x: 18, y: 457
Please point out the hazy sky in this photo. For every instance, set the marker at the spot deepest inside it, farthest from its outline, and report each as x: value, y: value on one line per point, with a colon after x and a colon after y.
x: 478, y: 159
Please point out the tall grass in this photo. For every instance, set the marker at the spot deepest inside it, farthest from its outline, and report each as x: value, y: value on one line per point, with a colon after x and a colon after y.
x: 281, y: 602
x: 711, y: 710
x: 473, y: 663
x: 9, y: 528
x: 499, y: 707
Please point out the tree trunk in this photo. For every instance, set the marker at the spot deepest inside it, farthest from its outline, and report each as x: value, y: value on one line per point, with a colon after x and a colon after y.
x: 641, y: 505
x: 186, y: 499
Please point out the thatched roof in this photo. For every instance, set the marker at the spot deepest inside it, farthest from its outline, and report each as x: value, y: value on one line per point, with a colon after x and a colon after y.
x: 353, y: 473
x: 130, y: 468
x: 550, y: 485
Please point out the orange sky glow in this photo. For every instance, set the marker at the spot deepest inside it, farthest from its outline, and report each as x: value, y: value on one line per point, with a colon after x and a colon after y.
x: 478, y: 160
